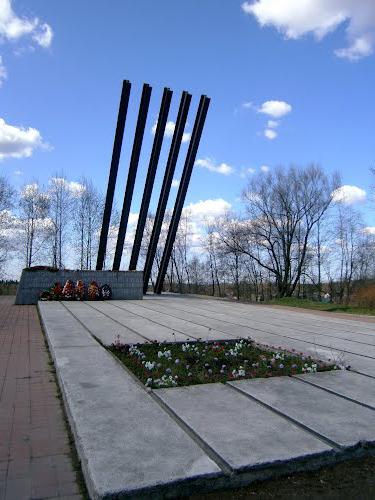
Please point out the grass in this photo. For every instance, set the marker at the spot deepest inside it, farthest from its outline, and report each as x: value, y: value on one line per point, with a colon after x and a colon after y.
x: 321, y: 306
x: 180, y: 364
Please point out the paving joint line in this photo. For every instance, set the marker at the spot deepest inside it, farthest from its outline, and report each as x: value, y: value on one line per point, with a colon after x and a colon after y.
x: 213, y: 455
x: 361, y: 373
x: 272, y: 333
x: 83, y: 326
x: 326, y: 440
x: 193, y: 322
x: 330, y: 391
x: 369, y: 334
x: 116, y: 321
x: 156, y: 322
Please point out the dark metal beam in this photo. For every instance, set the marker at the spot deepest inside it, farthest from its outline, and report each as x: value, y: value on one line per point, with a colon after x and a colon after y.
x: 167, y: 181
x: 133, y: 166
x: 151, y: 172
x: 124, y: 101
x: 184, y: 183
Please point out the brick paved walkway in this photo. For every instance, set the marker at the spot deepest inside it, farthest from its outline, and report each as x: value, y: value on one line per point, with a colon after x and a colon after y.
x: 34, y: 447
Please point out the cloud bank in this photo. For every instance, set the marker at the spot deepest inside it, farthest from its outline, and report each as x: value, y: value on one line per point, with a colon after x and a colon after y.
x: 18, y: 142
x: 13, y: 27
x: 349, y: 195
x: 296, y: 18
x: 209, y: 164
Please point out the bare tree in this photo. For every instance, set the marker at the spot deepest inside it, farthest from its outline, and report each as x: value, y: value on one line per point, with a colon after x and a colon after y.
x: 34, y: 208
x: 283, y: 207
x: 211, y: 245
x: 88, y: 207
x: 60, y: 213
x: 349, y: 241
x: 7, y: 198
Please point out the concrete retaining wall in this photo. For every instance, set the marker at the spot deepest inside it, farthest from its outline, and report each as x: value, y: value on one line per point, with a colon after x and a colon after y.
x: 124, y: 284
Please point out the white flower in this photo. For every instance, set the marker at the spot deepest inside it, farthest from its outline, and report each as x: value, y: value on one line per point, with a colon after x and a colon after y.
x: 165, y: 354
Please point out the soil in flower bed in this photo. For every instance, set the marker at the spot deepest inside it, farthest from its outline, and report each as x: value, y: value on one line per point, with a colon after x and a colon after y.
x: 178, y: 364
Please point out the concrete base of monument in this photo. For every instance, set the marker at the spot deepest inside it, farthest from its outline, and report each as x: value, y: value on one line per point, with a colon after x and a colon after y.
x: 124, y: 284
x: 135, y: 442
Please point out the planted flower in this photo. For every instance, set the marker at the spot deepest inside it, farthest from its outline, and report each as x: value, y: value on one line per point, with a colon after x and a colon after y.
x: 174, y: 364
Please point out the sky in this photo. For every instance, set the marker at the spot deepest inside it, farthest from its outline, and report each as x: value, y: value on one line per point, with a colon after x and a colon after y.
x: 290, y: 82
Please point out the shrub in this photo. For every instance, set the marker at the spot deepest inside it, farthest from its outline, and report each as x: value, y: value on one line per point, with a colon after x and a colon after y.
x: 365, y: 297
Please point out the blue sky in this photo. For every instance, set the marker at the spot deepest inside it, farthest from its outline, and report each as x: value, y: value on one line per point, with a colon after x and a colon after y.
x: 67, y: 87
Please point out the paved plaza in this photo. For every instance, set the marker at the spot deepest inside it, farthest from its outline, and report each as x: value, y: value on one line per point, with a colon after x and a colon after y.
x: 139, y: 442
x: 35, y: 457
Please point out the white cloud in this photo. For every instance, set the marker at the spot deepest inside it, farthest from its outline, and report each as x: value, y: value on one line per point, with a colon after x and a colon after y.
x: 210, y: 208
x: 270, y: 134
x: 361, y: 47
x: 246, y: 171
x: 3, y: 72
x: 276, y: 109
x: 133, y: 218
x: 76, y: 188
x: 349, y: 195
x: 13, y: 27
x: 186, y: 136
x: 18, y: 142
x: 43, y: 36
x: 169, y: 131
x: 297, y: 18
x: 199, y: 214
x: 175, y: 183
x: 272, y: 124
x: 209, y: 164
x: 265, y: 168
x: 369, y: 230
x: 248, y: 105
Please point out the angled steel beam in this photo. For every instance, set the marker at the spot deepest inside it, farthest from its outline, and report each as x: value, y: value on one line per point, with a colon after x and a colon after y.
x: 151, y: 172
x: 124, y: 101
x: 133, y: 166
x: 167, y: 182
x: 184, y: 183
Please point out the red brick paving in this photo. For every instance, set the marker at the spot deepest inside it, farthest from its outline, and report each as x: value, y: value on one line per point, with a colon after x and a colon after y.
x: 34, y: 448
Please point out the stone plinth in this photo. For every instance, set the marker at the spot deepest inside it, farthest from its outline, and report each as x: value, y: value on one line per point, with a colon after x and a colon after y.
x: 124, y: 284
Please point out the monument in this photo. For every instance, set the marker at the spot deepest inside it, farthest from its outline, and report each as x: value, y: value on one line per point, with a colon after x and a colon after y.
x: 131, y: 284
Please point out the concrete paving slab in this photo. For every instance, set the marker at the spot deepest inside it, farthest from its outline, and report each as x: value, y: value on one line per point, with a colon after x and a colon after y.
x: 341, y: 421
x: 302, y: 345
x: 64, y: 330
x: 102, y: 327
x: 210, y: 422
x: 290, y: 321
x: 230, y: 330
x: 187, y: 328
x: 127, y: 444
x: 296, y: 315
x: 345, y: 383
x: 245, y: 434
x: 237, y: 325
x: 143, y: 326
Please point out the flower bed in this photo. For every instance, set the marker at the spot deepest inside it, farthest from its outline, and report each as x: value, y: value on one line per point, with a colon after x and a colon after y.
x: 177, y: 364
